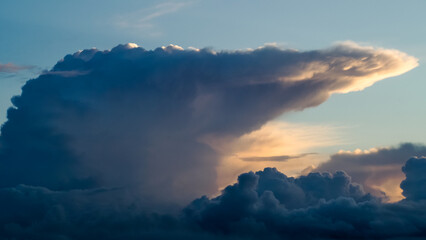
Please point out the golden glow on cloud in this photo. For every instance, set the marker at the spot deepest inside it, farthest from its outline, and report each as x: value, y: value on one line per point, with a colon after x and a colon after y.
x: 359, y: 151
x: 131, y: 45
x: 172, y: 47
x: 355, y: 68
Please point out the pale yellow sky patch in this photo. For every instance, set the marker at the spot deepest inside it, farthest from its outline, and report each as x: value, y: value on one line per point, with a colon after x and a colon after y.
x: 274, y: 140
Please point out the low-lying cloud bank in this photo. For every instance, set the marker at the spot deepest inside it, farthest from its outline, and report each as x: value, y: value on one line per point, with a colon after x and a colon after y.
x: 94, y: 146
x: 319, y: 205
x: 265, y: 204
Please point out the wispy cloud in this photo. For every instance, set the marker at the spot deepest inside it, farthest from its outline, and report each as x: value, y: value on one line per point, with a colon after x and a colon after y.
x: 281, y: 158
x: 143, y: 18
x: 65, y: 73
x: 12, y: 68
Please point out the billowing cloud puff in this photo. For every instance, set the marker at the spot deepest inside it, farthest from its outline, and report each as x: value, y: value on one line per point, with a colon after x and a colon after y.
x: 291, y: 193
x: 378, y: 170
x: 317, y: 206
x: 134, y: 119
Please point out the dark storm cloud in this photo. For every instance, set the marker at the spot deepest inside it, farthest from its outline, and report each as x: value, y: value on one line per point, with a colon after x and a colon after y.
x: 375, y: 167
x: 39, y: 213
x: 265, y: 204
x: 96, y: 145
x: 317, y: 206
x: 135, y: 118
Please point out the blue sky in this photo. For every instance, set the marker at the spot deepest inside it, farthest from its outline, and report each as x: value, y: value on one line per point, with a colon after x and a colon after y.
x: 392, y: 111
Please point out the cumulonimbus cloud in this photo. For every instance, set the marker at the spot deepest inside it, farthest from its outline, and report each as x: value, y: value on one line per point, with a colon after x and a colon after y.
x: 134, y: 119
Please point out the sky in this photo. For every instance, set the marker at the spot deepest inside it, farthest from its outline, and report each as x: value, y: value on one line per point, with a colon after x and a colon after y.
x: 39, y: 38
x: 186, y: 108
